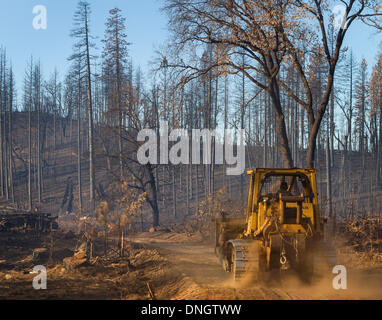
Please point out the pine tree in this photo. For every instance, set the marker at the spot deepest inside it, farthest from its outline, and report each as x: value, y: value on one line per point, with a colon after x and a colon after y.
x: 115, y: 55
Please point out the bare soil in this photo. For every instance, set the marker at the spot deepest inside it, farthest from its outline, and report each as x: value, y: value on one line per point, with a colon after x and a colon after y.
x: 206, y: 279
x: 173, y: 265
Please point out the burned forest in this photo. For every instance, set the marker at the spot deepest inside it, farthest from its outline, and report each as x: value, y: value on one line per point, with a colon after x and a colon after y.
x: 241, y: 160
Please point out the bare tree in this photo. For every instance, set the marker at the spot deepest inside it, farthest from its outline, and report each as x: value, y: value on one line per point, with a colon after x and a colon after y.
x: 361, y: 109
x: 82, y: 48
x: 376, y: 111
x: 269, y: 33
x: 28, y: 105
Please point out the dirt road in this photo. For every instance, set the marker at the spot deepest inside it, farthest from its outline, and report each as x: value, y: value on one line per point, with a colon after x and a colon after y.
x: 204, y: 278
x: 174, y: 265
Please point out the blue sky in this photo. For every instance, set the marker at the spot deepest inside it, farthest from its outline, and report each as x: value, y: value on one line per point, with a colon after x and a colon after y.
x: 146, y: 29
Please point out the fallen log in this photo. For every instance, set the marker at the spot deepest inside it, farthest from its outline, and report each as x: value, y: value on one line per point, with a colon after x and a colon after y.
x: 27, y: 221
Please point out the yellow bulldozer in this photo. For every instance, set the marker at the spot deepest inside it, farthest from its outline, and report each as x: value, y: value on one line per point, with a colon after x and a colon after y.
x: 282, y: 229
